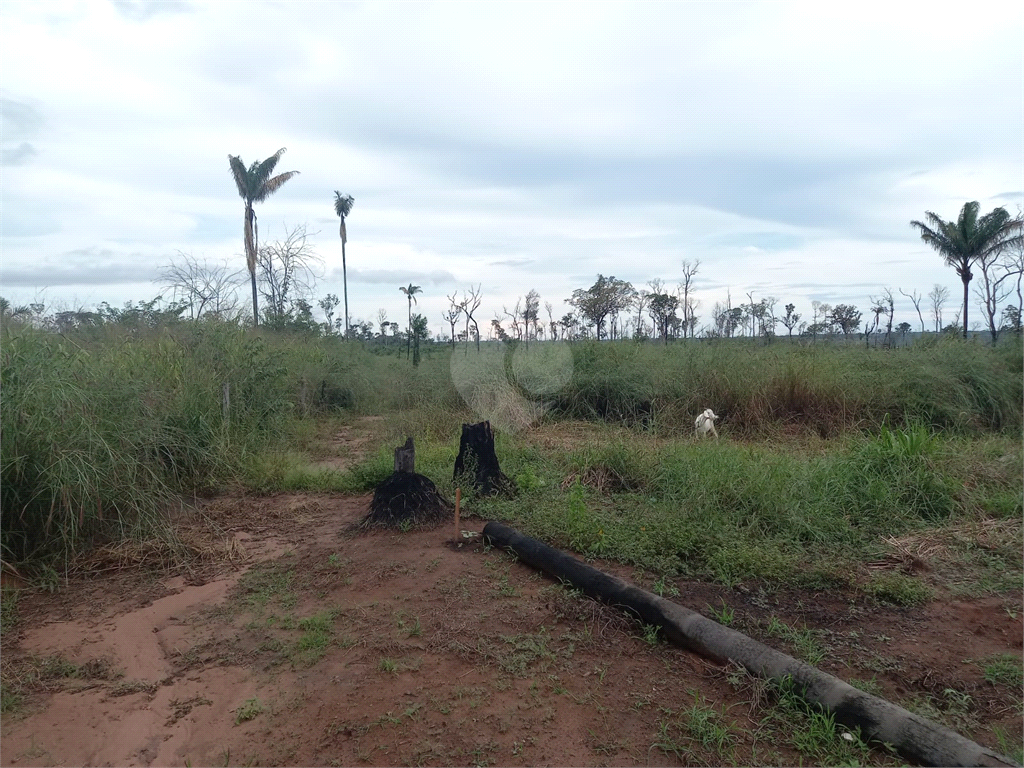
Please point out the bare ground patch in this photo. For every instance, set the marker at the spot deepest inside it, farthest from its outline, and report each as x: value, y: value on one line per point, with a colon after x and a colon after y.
x: 315, y: 645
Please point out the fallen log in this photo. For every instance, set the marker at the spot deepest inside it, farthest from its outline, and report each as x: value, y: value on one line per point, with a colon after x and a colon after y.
x: 913, y: 736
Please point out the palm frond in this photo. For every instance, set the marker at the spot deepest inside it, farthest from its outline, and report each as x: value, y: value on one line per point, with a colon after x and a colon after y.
x: 272, y: 185
x: 241, y: 176
x: 343, y: 204
x: 968, y: 221
x: 262, y: 170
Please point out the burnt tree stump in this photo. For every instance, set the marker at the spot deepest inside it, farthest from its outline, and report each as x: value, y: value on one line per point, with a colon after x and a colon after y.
x: 406, y: 498
x: 478, y: 460
x: 405, y: 457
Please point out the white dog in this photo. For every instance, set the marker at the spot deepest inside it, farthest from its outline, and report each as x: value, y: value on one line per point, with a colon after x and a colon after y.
x: 705, y: 423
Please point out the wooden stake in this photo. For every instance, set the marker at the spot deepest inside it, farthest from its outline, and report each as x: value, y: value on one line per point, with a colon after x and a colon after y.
x: 458, y: 499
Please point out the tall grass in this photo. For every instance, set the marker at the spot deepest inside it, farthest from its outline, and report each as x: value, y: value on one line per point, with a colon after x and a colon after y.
x: 102, y: 428
x: 732, y: 511
x: 759, y: 390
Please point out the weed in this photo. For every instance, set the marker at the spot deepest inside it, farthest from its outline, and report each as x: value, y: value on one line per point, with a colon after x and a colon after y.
x: 317, y: 635
x: 250, y: 710
x: 667, y: 742
x: 662, y: 587
x: 651, y: 633
x: 805, y: 641
x: 707, y: 726
x: 387, y: 666
x: 898, y: 589
x: 1004, y: 669
x: 725, y: 616
x: 8, y: 610
x: 1009, y: 746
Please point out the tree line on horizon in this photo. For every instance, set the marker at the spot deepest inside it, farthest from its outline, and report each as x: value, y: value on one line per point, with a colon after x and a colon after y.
x: 284, y: 272
x: 970, y: 241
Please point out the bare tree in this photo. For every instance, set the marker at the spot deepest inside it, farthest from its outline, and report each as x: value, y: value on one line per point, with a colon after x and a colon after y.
x: 514, y: 316
x: 452, y: 315
x: 470, y: 304
x: 531, y: 313
x: 884, y: 305
x: 641, y: 300
x: 287, y: 270
x: 915, y: 298
x: 1014, y: 263
x: 206, y: 288
x: 939, y: 295
x: 821, y: 318
x: 552, y: 324
x: 1001, y: 273
x: 690, y: 269
x: 752, y: 312
x: 766, y: 316
x: 382, y: 321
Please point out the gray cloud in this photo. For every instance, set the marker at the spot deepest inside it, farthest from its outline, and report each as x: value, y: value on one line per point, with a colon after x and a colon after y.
x: 91, y: 275
x: 511, y: 262
x: 18, y: 121
x: 399, y: 276
x: 19, y: 155
x: 144, y: 10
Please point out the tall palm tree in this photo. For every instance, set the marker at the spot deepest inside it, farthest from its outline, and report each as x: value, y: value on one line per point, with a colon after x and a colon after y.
x: 343, y: 206
x: 964, y: 241
x: 410, y: 293
x: 254, y: 186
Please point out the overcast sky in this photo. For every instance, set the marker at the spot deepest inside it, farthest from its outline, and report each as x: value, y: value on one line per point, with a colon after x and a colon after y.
x: 786, y: 146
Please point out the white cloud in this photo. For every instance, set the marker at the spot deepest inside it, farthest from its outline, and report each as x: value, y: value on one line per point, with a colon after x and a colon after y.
x: 525, y: 145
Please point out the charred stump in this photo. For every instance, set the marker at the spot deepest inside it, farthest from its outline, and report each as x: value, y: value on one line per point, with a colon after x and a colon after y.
x: 478, y: 460
x: 406, y: 498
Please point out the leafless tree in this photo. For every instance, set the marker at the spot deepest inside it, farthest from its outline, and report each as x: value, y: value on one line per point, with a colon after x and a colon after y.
x: 552, y: 324
x: 939, y: 295
x: 206, y: 288
x: 470, y: 304
x: 530, y: 314
x: 752, y: 312
x: 514, y: 315
x: 821, y: 318
x: 884, y: 305
x: 1014, y: 264
x: 453, y: 314
x: 690, y: 269
x: 287, y: 270
x: 1001, y: 272
x: 641, y: 301
x: 915, y: 298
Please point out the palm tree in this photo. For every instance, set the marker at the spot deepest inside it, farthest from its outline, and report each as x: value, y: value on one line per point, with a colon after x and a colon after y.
x: 964, y: 241
x: 255, y: 186
x: 343, y: 206
x: 410, y: 293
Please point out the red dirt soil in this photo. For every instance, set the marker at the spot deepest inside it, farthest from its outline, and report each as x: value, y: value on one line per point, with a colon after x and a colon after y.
x: 436, y: 655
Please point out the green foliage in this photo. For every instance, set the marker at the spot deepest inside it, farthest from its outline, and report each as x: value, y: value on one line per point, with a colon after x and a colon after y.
x: 736, y: 512
x: 106, y: 426
x: 1004, y: 669
x: 897, y: 589
x: 759, y: 390
x: 813, y: 732
x: 250, y: 710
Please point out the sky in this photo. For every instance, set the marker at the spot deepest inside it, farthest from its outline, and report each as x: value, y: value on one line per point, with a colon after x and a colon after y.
x: 784, y: 145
